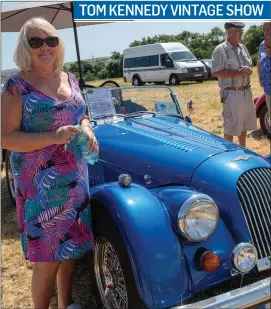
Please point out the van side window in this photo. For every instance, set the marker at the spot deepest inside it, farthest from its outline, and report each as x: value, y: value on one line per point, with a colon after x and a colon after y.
x: 154, y: 60
x: 144, y: 61
x: 166, y: 61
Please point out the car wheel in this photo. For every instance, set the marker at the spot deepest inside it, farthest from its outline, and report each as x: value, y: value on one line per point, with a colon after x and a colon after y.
x: 10, y: 179
x: 265, y: 121
x: 114, y: 285
x: 137, y: 81
x: 174, y: 80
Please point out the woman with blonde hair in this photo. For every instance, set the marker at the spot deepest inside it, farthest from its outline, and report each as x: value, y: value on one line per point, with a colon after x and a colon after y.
x: 40, y: 107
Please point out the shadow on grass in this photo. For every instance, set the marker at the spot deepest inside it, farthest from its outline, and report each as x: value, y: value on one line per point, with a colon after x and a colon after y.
x: 258, y: 135
x: 9, y: 225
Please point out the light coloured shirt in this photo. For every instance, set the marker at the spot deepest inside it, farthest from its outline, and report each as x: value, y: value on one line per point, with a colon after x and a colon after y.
x: 225, y: 57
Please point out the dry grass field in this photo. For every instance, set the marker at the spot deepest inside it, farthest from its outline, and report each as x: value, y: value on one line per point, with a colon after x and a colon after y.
x: 16, y: 277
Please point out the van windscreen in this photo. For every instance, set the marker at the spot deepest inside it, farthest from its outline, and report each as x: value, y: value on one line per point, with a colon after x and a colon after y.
x: 182, y: 56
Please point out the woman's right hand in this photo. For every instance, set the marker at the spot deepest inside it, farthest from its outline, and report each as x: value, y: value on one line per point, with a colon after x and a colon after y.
x: 65, y: 134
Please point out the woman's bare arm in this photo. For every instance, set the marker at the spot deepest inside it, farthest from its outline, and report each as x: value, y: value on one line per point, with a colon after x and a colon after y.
x: 11, y: 116
x: 15, y: 140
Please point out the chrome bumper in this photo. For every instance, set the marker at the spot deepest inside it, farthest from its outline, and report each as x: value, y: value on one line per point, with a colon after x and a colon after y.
x: 245, y: 297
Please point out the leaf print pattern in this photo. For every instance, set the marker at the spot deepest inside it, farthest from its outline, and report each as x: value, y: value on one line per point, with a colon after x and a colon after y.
x: 51, y: 184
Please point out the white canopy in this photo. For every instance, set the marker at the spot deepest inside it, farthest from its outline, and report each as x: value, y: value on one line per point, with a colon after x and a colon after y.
x: 58, y: 13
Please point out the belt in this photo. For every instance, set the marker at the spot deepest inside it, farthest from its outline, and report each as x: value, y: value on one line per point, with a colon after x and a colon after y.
x: 238, y: 88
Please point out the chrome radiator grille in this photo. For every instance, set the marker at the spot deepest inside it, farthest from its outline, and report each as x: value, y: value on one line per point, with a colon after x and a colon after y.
x: 254, y: 194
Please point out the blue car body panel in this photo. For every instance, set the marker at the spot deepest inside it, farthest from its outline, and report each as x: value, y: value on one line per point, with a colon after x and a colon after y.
x: 218, y: 178
x: 155, y: 252
x: 169, y: 160
x: 147, y: 146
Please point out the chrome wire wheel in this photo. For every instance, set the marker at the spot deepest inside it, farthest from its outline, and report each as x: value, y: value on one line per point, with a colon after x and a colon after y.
x: 109, y: 275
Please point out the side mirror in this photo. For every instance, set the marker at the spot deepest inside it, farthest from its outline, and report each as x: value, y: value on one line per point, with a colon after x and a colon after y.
x: 188, y: 119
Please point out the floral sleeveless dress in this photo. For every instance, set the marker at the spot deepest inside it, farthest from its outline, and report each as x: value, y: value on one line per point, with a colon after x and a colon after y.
x: 51, y: 184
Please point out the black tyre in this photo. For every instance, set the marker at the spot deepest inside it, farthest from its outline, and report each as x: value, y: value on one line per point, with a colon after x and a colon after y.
x: 199, y: 81
x: 9, y: 178
x: 110, y: 84
x: 112, y: 276
x: 137, y: 81
x: 174, y: 80
x: 265, y: 121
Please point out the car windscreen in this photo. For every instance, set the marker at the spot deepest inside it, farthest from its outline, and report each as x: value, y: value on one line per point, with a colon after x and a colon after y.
x: 125, y: 101
x: 182, y: 56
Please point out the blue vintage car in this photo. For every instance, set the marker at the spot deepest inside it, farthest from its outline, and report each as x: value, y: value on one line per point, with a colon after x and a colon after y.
x: 181, y: 216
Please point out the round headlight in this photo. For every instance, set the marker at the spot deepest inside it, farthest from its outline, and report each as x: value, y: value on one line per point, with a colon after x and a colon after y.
x: 198, y: 218
x: 244, y: 257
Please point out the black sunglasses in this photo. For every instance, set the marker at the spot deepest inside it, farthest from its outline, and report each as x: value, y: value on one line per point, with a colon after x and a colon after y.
x: 51, y: 41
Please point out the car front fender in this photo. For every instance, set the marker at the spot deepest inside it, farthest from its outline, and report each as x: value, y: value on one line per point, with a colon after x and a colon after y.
x: 154, y: 249
x: 268, y: 158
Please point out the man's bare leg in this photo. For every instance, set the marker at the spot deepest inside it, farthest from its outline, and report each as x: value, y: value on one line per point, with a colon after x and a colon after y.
x: 242, y: 139
x: 228, y: 137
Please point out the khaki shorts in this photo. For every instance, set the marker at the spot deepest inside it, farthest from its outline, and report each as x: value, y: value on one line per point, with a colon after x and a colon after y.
x: 238, y: 112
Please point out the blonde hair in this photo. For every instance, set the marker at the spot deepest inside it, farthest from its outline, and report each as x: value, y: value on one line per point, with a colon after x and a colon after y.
x: 22, y: 55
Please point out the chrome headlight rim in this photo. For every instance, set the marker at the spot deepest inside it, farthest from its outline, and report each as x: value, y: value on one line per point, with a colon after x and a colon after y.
x: 236, y: 251
x: 186, y: 207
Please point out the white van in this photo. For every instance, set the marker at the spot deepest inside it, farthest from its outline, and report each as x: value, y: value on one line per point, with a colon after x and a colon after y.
x: 162, y: 62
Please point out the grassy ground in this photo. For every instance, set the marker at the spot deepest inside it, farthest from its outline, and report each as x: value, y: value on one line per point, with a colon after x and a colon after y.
x: 16, y: 277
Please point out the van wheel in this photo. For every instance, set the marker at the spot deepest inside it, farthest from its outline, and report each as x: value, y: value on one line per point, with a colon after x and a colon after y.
x: 265, y: 121
x: 137, y: 81
x: 10, y: 179
x: 174, y: 80
x: 112, y: 276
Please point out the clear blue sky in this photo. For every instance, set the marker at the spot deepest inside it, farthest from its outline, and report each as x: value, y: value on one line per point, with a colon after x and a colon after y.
x: 101, y: 40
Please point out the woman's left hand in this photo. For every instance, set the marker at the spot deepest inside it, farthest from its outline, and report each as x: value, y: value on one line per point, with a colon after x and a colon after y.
x: 93, y: 144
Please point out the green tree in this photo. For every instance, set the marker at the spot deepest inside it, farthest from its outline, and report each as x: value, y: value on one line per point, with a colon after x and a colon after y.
x: 86, y: 67
x: 202, y: 45
x: 114, y: 65
x: 103, y: 74
x: 253, y: 38
x: 74, y: 69
x: 66, y: 68
x: 114, y: 68
x: 100, y: 66
x: 116, y: 56
x: 89, y: 76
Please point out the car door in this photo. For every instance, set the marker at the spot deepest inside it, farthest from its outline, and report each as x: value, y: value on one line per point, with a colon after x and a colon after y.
x: 167, y: 67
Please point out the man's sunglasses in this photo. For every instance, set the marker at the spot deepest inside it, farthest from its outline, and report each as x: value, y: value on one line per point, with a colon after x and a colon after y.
x: 51, y: 41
